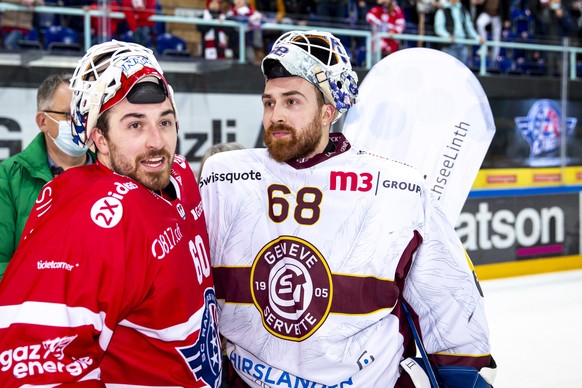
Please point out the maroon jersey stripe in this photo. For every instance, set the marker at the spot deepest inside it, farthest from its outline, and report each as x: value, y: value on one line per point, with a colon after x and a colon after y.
x: 351, y: 294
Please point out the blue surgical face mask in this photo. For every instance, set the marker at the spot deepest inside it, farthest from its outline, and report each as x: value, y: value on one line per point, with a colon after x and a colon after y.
x: 64, y: 139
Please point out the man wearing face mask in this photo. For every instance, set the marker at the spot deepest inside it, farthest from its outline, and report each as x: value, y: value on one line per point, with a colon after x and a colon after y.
x: 51, y: 152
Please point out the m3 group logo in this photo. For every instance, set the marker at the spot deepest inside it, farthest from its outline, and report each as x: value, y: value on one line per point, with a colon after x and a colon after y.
x: 542, y: 128
x: 291, y: 287
x: 365, y: 181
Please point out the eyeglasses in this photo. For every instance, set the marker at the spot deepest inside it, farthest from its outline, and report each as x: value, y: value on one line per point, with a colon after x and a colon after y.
x: 56, y: 112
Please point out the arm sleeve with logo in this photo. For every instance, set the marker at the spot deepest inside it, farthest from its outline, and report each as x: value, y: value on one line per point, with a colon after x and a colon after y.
x: 70, y: 284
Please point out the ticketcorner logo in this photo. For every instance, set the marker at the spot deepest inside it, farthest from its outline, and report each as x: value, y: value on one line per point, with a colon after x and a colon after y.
x: 55, y: 265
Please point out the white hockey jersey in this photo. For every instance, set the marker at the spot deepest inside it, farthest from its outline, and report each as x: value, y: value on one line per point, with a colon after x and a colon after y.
x: 312, y: 257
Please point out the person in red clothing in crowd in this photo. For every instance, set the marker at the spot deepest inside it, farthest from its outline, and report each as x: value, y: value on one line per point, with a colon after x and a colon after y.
x: 137, y: 14
x: 104, y: 28
x: 242, y: 11
x: 386, y: 16
x: 215, y: 38
x: 111, y: 284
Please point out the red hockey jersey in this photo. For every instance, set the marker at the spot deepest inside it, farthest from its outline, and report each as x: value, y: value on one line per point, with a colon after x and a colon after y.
x: 383, y: 20
x: 111, y: 284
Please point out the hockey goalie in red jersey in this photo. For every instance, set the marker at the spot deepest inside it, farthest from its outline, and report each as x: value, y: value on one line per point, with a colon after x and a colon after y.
x: 318, y: 245
x: 112, y: 284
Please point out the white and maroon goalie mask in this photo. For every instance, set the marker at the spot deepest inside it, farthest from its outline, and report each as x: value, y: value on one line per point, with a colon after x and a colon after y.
x: 320, y: 58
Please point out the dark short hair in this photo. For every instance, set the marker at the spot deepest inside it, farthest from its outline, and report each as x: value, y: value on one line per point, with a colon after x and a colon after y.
x: 103, y: 123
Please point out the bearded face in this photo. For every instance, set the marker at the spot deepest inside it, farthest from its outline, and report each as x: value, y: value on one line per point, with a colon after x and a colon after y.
x: 139, y: 142
x: 295, y: 117
x: 296, y: 143
x: 135, y: 167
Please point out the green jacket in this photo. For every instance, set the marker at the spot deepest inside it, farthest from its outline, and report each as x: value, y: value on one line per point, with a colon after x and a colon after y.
x: 22, y: 176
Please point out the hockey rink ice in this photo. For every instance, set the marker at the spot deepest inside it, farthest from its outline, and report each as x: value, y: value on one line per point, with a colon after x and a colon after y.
x: 536, y: 329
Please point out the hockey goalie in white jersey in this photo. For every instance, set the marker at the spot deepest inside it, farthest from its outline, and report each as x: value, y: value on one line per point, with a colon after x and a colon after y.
x: 316, y: 244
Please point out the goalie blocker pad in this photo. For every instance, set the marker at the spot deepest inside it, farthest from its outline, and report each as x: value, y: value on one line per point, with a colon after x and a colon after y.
x: 449, y: 376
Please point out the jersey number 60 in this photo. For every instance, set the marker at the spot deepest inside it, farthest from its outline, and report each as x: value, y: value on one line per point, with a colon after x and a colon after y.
x: 200, y: 257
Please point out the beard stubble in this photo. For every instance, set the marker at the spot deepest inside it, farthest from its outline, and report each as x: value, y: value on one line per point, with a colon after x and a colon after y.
x: 298, y: 145
x: 155, y: 181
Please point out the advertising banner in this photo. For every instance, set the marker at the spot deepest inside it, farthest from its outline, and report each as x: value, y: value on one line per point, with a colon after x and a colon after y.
x: 511, y: 228
x: 494, y: 228
x: 204, y: 119
x: 534, y: 132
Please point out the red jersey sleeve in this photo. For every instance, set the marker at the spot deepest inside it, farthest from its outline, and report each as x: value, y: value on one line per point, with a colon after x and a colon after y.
x: 111, y: 283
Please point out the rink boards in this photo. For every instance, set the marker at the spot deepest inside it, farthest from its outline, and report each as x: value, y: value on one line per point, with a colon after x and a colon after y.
x: 523, y: 221
x: 515, y: 221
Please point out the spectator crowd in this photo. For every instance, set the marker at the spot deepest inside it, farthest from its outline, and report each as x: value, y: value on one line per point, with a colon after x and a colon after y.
x: 523, y: 21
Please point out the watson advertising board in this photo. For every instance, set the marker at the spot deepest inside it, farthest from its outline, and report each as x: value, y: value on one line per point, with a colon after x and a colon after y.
x: 509, y: 228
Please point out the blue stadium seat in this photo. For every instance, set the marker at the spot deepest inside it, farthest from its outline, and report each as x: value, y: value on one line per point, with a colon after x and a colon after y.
x: 411, y: 28
x: 359, y: 56
x: 59, y: 38
x: 522, y: 21
x: 171, y: 45
x: 506, y: 66
x: 45, y: 20
x: 31, y: 41
x: 126, y: 36
x: 160, y: 27
x: 531, y: 67
x: 492, y: 67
